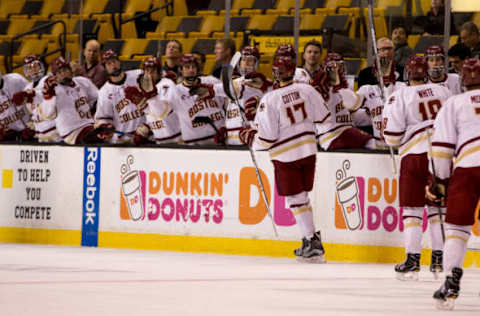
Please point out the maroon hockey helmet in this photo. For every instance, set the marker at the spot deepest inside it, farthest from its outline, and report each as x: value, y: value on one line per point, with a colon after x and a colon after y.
x: 416, y: 68
x: 108, y: 54
x: 251, y: 51
x: 188, y: 59
x: 283, y: 68
x: 30, y: 59
x: 331, y: 59
x: 285, y: 50
x: 435, y: 50
x: 471, y: 72
x: 59, y: 63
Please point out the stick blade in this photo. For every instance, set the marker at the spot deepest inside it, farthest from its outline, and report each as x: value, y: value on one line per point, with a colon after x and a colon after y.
x: 227, y: 74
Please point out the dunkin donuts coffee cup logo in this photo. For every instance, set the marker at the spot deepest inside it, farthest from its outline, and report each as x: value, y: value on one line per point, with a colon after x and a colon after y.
x: 132, y: 190
x: 347, y: 195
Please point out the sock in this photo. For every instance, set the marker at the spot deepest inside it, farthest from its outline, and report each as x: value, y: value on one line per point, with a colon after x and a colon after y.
x: 455, y: 246
x: 435, y: 228
x: 412, y: 223
x: 304, y: 217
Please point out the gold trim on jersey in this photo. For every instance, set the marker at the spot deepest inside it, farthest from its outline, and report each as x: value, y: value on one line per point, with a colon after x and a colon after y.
x: 333, y: 134
x: 412, y: 224
x: 275, y: 153
x: 456, y: 237
x: 357, y: 104
x: 441, y: 154
x: 467, y: 152
x: 412, y: 143
x: 302, y: 210
x: 47, y: 118
x: 392, y: 141
x: 164, y: 113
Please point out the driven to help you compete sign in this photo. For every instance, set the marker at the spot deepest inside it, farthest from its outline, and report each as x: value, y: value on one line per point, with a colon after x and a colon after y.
x: 36, y: 189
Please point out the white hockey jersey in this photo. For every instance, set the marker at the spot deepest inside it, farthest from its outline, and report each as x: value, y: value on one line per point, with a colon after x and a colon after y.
x: 71, y: 108
x: 11, y: 116
x: 209, y: 80
x: 286, y: 120
x: 245, y: 92
x: 113, y: 108
x: 452, y: 83
x: 409, y: 114
x: 341, y: 120
x: 301, y: 75
x: 457, y: 134
x: 46, y: 130
x: 188, y: 107
x: 369, y: 98
x: 160, y: 116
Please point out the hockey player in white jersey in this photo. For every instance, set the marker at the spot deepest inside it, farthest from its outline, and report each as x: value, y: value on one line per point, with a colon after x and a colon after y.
x: 201, y: 113
x: 161, y: 125
x: 435, y: 56
x: 69, y: 101
x: 286, y: 127
x: 31, y: 97
x: 338, y: 132
x: 301, y: 75
x: 408, y: 117
x: 114, y: 111
x: 457, y: 139
x: 13, y: 118
x: 369, y: 97
x: 250, y: 88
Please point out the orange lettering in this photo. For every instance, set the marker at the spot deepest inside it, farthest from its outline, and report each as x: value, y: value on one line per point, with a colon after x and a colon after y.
x: 195, y: 183
x: 374, y: 190
x: 168, y: 187
x: 390, y: 198
x: 182, y: 183
x: 251, y: 215
x: 153, y: 182
x: 216, y: 184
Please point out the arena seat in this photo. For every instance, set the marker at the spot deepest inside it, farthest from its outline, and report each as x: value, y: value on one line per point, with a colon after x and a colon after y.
x: 284, y: 7
x: 134, y: 6
x: 5, y: 48
x: 284, y: 24
x: 311, y: 22
x: 324, y: 11
x: 210, y: 61
x: 19, y: 24
x: 114, y: 44
x: 353, y: 65
x: 131, y: 64
x: 205, y: 46
x: 425, y: 41
x: 152, y: 46
x: 261, y: 22
x: 209, y: 25
x: 188, y: 24
x: 4, y: 24
x: 413, y: 39
x: 32, y: 46
x: 32, y: 8
x: 238, y: 6
x: 168, y: 24
x: 10, y: 7
x: 51, y: 7
x: 334, y: 4
x: 134, y: 46
x: 312, y: 5
x: 71, y: 7
x: 94, y: 6
x: 336, y: 22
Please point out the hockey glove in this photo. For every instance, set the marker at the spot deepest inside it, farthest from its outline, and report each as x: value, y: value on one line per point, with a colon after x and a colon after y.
x: 147, y: 87
x: 436, y: 193
x: 133, y: 95
x: 258, y: 80
x: 203, y: 91
x: 49, y: 87
x: 220, y: 136
x: 105, y: 131
x: 251, y: 108
x: 21, y: 97
x: 341, y: 80
x: 247, y: 135
x: 27, y: 134
x: 171, y: 75
x: 321, y: 84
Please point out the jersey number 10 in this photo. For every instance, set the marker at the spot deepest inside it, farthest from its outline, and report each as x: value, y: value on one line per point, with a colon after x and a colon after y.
x: 429, y: 112
x: 296, y: 107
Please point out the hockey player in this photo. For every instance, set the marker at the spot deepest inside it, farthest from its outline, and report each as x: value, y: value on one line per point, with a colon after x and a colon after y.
x: 338, y: 132
x: 114, y: 111
x: 457, y: 137
x: 201, y: 113
x: 286, y: 127
x: 162, y: 125
x: 436, y: 70
x: 301, y: 75
x: 408, y: 117
x: 69, y: 101
x: 13, y: 118
x: 369, y: 97
x: 31, y: 97
x: 250, y: 88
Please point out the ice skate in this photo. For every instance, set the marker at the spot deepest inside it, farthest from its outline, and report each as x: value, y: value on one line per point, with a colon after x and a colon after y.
x: 312, y: 250
x: 449, y: 291
x: 436, y: 265
x: 409, y: 269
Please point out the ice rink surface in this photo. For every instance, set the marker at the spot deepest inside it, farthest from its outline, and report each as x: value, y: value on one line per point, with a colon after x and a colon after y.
x: 48, y: 280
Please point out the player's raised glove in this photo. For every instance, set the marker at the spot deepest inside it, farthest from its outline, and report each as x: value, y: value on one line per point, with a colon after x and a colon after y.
x: 203, y: 91
x: 49, y: 87
x: 22, y: 97
x: 258, y: 80
x: 251, y: 108
x: 321, y: 83
x: 436, y: 191
x: 247, y: 135
x: 147, y: 86
x: 340, y: 81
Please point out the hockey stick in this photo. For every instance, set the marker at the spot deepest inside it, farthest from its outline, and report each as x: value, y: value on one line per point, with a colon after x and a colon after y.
x: 430, y: 154
x: 379, y: 76
x: 209, y: 121
x: 227, y: 72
